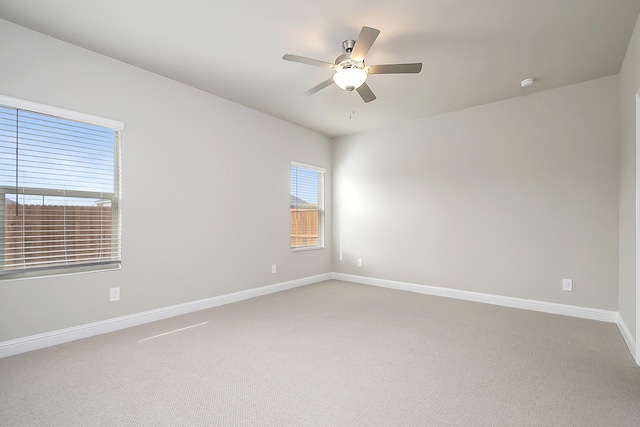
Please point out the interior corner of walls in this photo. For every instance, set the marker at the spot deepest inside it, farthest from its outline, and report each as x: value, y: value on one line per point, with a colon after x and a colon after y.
x: 636, y: 282
x: 628, y: 337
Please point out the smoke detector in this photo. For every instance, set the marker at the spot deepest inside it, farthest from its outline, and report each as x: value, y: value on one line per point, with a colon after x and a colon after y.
x: 527, y: 82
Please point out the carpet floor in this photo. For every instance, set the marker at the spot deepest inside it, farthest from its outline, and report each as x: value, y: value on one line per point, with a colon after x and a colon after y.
x: 333, y: 354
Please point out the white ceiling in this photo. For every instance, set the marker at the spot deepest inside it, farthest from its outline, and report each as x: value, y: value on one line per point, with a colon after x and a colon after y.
x: 473, y: 52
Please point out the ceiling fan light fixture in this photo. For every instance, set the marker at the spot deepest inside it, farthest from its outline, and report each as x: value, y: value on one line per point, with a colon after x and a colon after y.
x: 350, y: 78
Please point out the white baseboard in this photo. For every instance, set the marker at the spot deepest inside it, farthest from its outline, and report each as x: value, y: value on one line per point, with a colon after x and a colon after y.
x: 628, y: 337
x: 525, y: 304
x: 61, y: 336
x: 48, y: 339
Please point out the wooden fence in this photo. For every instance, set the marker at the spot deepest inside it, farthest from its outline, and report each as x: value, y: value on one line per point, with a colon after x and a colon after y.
x: 304, y: 227
x: 45, y: 235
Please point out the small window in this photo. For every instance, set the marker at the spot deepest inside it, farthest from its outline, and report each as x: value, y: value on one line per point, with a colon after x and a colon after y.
x: 306, y: 207
x: 59, y: 191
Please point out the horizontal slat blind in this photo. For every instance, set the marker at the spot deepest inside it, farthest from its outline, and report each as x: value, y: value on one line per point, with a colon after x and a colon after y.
x: 59, y: 184
x: 306, y: 210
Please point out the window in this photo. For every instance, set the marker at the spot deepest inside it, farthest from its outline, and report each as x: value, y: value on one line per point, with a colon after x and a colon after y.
x: 306, y: 207
x: 59, y: 190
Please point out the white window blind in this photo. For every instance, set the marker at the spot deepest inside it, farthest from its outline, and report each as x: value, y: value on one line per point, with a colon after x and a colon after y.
x: 306, y: 208
x: 59, y: 194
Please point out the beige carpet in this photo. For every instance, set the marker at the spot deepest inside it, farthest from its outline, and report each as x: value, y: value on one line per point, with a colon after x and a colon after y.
x: 333, y: 354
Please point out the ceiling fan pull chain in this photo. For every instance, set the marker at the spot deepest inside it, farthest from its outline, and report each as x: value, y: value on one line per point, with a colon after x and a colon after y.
x: 353, y: 112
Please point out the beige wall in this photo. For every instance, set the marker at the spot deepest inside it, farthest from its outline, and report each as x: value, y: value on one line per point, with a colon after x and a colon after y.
x: 507, y: 198
x: 628, y: 87
x: 184, y: 151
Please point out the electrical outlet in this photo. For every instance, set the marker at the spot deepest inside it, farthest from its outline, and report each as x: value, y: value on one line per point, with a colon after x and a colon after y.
x: 273, y: 268
x: 567, y: 284
x: 114, y: 294
x: 359, y: 262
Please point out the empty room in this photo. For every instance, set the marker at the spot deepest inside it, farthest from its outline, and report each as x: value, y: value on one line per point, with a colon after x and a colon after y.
x: 285, y: 213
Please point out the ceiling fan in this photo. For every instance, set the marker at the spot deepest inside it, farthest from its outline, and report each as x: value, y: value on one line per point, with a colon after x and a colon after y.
x: 350, y: 69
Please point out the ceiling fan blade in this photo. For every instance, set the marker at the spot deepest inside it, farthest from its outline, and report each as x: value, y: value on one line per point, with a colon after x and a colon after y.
x: 395, y: 68
x: 308, y: 61
x: 365, y: 93
x: 364, y: 42
x: 319, y: 87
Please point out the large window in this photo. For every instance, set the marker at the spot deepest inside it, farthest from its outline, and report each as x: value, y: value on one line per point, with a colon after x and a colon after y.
x: 59, y: 190
x: 306, y: 207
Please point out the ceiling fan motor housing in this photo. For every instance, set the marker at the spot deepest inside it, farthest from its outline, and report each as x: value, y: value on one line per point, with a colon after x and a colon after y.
x: 344, y: 60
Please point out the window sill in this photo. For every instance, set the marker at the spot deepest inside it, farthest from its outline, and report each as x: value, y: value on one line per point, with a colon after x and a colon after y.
x: 308, y: 248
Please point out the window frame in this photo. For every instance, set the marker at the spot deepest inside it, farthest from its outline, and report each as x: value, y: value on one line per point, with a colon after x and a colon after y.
x: 115, y: 198
x: 321, y: 208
